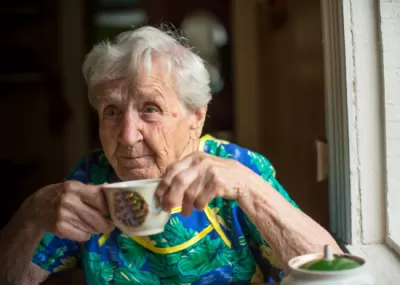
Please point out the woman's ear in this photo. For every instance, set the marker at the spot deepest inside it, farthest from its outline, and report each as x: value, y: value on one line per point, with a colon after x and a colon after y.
x: 197, y: 122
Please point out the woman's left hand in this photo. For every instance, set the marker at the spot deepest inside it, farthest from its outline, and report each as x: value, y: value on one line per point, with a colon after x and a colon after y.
x: 199, y: 178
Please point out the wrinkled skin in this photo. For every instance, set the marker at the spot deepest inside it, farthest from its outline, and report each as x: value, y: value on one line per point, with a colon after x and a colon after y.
x: 198, y: 178
x: 143, y: 126
x: 70, y: 210
x: 146, y: 132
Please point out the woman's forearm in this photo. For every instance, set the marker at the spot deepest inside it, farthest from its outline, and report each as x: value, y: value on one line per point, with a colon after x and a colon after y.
x: 286, y: 229
x: 18, y: 241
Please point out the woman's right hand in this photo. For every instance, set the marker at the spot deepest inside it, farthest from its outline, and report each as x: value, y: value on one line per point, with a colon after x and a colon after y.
x: 70, y: 210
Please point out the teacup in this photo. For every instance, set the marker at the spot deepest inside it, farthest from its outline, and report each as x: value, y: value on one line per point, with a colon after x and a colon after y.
x: 134, y: 208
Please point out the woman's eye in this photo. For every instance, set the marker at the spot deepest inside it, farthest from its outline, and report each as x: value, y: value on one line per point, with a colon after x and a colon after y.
x: 111, y: 112
x: 150, y: 109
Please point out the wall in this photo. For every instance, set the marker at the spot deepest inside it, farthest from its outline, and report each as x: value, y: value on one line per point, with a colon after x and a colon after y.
x: 291, y: 102
x: 390, y: 28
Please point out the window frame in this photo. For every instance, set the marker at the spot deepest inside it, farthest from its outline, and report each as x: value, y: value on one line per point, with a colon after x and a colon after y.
x: 390, y: 39
x: 358, y: 72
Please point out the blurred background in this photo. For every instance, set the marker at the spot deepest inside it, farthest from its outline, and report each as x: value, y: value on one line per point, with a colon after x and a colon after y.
x: 265, y: 58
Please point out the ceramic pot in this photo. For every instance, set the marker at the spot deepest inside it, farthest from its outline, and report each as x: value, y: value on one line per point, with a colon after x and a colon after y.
x: 327, y: 269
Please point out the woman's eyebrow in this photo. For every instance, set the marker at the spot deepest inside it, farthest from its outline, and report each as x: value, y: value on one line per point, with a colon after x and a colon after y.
x: 107, y: 97
x: 151, y: 94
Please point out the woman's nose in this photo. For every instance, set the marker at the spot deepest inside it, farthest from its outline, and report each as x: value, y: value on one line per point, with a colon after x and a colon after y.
x: 130, y: 130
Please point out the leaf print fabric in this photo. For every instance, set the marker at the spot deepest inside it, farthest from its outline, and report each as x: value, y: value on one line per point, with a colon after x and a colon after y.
x: 130, y: 252
x: 55, y: 254
x: 132, y: 276
x: 204, y: 257
x: 174, y: 233
x: 100, y: 272
x: 216, y: 246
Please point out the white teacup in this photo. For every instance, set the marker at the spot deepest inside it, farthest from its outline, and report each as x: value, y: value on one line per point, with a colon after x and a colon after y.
x: 134, y: 208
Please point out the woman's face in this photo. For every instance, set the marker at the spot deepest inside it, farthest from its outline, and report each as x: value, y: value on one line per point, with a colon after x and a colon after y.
x: 144, y: 127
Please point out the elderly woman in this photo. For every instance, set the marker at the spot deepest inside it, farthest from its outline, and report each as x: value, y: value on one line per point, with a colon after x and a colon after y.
x: 232, y: 222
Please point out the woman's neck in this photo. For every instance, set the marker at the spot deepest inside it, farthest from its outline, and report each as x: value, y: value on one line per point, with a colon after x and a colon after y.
x: 191, y: 147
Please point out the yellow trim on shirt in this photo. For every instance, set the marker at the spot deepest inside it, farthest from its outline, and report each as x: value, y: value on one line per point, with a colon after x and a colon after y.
x: 173, y: 249
x: 176, y: 210
x: 103, y: 239
x: 217, y: 226
x: 207, y: 137
x: 213, y: 225
x: 203, y: 140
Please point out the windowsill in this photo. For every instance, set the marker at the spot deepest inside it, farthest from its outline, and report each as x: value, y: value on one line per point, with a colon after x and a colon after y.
x: 394, y: 243
x: 382, y: 262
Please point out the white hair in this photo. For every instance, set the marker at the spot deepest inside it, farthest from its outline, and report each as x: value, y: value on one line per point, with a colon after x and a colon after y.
x: 131, y: 50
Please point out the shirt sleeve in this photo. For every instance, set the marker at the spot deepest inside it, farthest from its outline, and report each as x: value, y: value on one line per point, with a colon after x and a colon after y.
x: 55, y: 254
x: 265, y: 257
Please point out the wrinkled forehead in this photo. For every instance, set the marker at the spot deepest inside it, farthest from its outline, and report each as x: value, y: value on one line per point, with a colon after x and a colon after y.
x: 153, y: 77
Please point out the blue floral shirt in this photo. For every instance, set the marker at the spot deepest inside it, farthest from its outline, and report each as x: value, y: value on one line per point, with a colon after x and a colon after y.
x: 216, y: 246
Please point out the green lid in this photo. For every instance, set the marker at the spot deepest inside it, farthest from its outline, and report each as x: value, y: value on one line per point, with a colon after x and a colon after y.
x: 331, y: 262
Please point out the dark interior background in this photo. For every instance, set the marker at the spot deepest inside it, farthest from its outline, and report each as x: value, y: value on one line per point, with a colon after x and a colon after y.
x: 34, y: 109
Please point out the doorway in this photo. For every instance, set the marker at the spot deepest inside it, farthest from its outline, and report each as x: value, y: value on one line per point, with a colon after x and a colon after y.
x: 282, y: 91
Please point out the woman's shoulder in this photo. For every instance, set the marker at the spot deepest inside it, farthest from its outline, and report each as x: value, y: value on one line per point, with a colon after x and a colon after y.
x: 93, y: 168
x: 225, y: 149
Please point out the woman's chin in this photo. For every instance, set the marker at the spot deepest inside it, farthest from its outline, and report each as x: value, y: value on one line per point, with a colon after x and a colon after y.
x: 136, y: 174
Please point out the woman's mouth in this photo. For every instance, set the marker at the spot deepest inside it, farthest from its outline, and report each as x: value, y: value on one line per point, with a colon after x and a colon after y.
x: 135, y: 162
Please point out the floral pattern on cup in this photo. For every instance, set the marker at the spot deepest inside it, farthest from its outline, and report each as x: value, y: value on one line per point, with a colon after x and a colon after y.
x: 130, y: 208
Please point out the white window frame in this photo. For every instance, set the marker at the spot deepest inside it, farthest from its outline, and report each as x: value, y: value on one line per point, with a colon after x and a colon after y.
x: 362, y: 88
x: 390, y: 29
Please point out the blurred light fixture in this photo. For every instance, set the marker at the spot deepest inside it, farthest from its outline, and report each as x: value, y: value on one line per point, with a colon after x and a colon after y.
x: 121, y: 19
x: 207, y: 34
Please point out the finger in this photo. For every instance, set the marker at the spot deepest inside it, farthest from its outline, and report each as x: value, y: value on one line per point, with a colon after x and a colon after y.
x: 170, y: 174
x: 207, y: 192
x: 68, y: 231
x: 68, y: 214
x: 94, y: 196
x: 202, y: 200
x: 207, y: 189
x: 82, y: 226
x: 93, y: 218
x: 175, y: 194
x: 190, y: 197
